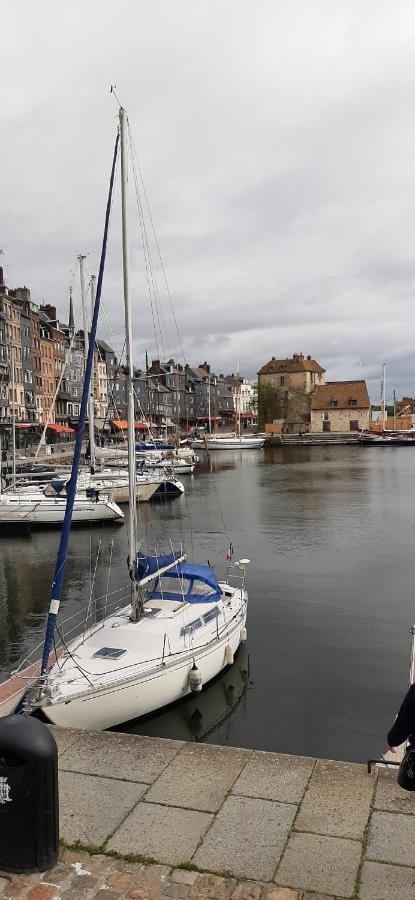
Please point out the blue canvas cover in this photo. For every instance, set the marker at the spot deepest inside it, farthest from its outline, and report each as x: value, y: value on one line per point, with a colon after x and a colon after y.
x: 195, y: 584
x: 150, y: 565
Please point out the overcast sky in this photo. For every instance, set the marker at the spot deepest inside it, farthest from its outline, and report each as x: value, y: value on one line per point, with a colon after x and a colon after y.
x: 277, y: 145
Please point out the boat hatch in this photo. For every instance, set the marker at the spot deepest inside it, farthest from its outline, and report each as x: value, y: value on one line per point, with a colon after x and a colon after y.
x: 109, y: 653
x: 189, y: 629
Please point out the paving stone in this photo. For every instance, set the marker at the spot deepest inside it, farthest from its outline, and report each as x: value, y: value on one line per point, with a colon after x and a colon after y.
x: 246, y: 838
x: 213, y: 887
x: 316, y: 863
x: 248, y: 890
x: 42, y: 892
x: 65, y: 737
x: 183, y: 876
x: 337, y: 800
x: 382, y: 882
x: 199, y: 778
x: 167, y: 834
x: 279, y: 893
x: 392, y: 838
x: 114, y: 755
x: 91, y: 807
x: 392, y: 798
x: 274, y: 776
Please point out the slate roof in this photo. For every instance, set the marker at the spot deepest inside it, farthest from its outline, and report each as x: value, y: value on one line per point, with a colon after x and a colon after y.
x: 296, y: 363
x: 339, y: 394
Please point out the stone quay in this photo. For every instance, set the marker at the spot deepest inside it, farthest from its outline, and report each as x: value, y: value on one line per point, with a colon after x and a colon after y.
x: 153, y: 818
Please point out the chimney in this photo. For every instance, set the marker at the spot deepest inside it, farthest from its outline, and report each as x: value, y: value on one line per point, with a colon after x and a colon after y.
x: 50, y: 311
x: 2, y: 284
x: 205, y: 367
x: 155, y: 365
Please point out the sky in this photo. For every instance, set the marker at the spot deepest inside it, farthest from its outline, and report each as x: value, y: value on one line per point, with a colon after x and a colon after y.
x: 276, y: 141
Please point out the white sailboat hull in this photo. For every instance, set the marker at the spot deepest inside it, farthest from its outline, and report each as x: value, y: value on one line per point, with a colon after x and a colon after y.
x: 231, y: 443
x: 37, y: 509
x: 139, y: 696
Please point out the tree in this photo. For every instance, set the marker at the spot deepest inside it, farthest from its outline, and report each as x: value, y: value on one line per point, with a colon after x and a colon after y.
x: 267, y: 401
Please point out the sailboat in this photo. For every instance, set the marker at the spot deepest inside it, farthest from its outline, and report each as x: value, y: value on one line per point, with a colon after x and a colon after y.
x: 383, y: 436
x: 229, y: 441
x: 180, y: 627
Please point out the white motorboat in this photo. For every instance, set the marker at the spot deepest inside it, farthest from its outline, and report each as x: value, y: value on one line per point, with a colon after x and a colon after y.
x: 179, y: 626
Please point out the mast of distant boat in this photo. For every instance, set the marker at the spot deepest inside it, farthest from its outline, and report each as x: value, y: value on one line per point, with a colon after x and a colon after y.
x: 81, y: 260
x: 136, y: 598
x: 383, y: 395
x: 238, y: 395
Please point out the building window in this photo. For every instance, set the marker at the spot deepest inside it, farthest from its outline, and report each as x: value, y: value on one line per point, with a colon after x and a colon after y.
x: 352, y: 402
x: 354, y: 425
x: 333, y: 403
x: 282, y: 379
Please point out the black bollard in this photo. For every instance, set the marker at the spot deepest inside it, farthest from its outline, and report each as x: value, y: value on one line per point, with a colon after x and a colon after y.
x: 29, y: 805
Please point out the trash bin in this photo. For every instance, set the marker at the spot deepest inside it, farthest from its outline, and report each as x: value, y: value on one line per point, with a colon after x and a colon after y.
x: 29, y: 810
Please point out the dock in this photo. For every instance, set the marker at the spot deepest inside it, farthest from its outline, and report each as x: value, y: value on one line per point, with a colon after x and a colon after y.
x: 151, y: 818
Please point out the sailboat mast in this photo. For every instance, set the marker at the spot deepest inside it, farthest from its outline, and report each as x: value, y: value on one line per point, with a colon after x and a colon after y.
x: 81, y: 260
x: 382, y: 403
x: 92, y: 405
x: 238, y: 394
x: 132, y: 518
x: 13, y: 416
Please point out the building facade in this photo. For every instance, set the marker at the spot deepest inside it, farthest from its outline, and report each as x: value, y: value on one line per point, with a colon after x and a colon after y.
x: 340, y: 406
x: 285, y: 389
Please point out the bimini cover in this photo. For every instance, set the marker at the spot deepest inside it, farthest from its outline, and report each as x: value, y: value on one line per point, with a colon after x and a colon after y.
x: 151, y: 565
x: 192, y: 583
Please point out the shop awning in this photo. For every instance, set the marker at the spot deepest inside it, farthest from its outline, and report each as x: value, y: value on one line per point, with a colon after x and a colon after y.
x: 248, y: 415
x: 60, y: 429
x: 122, y: 425
x: 26, y: 425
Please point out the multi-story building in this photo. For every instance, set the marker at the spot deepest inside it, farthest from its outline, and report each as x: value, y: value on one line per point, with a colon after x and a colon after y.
x: 4, y: 357
x: 285, y: 388
x: 47, y: 368
x: 36, y: 362
x: 22, y: 301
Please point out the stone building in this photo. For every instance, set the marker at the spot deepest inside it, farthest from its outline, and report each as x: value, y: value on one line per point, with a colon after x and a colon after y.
x: 340, y: 406
x: 36, y: 363
x: 293, y: 381
x: 21, y: 296
x: 47, y: 367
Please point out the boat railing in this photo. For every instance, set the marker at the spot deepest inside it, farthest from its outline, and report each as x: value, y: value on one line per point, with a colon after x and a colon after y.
x: 70, y: 629
x: 235, y: 575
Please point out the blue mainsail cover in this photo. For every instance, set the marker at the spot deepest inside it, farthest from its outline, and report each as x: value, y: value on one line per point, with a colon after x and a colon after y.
x: 195, y: 584
x: 151, y: 565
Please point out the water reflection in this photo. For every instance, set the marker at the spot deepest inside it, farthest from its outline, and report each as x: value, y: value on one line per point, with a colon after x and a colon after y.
x: 330, y: 535
x: 196, y: 717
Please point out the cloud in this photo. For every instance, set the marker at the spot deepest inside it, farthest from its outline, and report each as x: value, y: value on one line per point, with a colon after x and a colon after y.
x: 277, y: 145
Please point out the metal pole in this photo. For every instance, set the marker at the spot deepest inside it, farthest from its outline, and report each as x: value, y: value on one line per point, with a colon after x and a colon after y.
x: 81, y: 260
x: 13, y: 418
x: 238, y: 394
x: 412, y: 666
x: 92, y: 391
x: 210, y: 426
x: 132, y: 518
x: 382, y: 402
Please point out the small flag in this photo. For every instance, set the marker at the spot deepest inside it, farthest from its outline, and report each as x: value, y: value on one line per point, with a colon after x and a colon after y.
x: 229, y: 554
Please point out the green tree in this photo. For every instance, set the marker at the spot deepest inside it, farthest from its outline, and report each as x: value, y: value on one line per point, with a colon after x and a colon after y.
x: 267, y: 402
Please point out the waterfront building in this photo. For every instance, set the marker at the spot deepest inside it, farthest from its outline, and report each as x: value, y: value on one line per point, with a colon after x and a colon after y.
x: 21, y: 296
x: 340, y: 406
x: 47, y: 367
x: 5, y: 412
x: 285, y: 389
x: 36, y: 362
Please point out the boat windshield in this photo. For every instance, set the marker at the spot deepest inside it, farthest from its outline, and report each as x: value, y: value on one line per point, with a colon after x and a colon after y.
x: 194, y: 584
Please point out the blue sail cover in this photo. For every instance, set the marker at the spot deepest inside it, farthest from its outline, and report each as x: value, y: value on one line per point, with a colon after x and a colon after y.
x: 195, y: 584
x: 151, y: 565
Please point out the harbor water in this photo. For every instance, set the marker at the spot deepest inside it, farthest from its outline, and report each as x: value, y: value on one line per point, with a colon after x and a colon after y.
x: 330, y: 535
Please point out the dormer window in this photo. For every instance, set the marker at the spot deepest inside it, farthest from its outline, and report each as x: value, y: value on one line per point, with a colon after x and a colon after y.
x: 352, y: 402
x: 333, y: 403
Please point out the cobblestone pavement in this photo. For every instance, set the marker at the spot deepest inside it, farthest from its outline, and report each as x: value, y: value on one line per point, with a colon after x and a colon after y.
x: 151, y: 818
